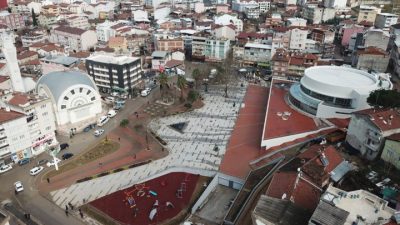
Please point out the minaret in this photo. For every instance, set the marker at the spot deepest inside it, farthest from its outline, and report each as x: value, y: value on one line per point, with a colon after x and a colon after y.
x: 10, y: 53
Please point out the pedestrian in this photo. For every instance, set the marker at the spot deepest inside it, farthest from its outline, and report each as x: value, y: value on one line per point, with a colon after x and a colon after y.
x: 72, y: 207
x: 137, y: 115
x: 134, y: 156
x: 66, y: 212
x: 66, y: 207
x: 83, y: 200
x: 162, y: 149
x: 119, y: 139
x: 81, y: 214
x: 48, y: 180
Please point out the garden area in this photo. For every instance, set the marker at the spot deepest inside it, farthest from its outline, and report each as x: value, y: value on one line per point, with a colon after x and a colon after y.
x: 103, y: 148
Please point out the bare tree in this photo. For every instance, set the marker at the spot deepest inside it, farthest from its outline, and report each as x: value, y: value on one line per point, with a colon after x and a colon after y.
x: 225, y: 71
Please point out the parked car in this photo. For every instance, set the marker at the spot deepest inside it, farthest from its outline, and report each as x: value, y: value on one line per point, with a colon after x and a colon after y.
x: 114, y: 94
x: 18, y: 186
x: 36, y: 170
x: 89, y: 127
x: 383, y: 183
x: 5, y: 168
x: 53, y: 162
x: 145, y: 92
x: 109, y: 99
x: 102, y: 120
x: 23, y: 161
x: 42, y: 162
x: 67, y: 156
x: 98, y: 132
x: 111, y: 113
x: 64, y: 146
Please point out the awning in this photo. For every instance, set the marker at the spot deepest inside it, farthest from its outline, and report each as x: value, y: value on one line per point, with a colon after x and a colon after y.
x: 263, y: 64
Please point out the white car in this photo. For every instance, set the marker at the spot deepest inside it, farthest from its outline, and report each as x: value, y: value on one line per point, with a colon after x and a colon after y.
x: 145, y: 92
x: 111, y: 113
x: 18, y: 186
x: 5, y: 168
x: 98, y: 132
x: 53, y: 162
x: 36, y: 170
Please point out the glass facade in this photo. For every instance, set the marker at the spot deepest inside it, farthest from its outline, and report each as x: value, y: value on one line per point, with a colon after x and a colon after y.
x: 328, y: 100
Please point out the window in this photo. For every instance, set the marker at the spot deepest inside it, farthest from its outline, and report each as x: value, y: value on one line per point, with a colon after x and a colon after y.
x: 63, y: 106
x: 45, y: 114
x: 88, y: 92
x: 73, y: 92
x: 93, y: 98
x: 80, y: 90
x: 66, y: 98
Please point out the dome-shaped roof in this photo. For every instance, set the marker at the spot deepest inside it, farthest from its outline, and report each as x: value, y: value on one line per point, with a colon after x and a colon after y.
x: 58, y: 82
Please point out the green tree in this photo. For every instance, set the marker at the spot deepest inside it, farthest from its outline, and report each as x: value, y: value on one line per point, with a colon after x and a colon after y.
x: 124, y: 123
x: 384, y: 98
x: 181, y: 83
x: 163, y: 80
x: 34, y: 19
x: 192, y: 96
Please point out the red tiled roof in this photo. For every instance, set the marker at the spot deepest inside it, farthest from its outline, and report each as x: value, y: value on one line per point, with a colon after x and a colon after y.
x: 4, y: 78
x: 244, y: 144
x: 382, y: 117
x: 19, y: 99
x: 70, y: 30
x: 33, y: 62
x: 314, y: 153
x: 243, y: 35
x: 6, y: 116
x: 340, y: 123
x: 372, y: 51
x: 26, y: 54
x: 2, y: 65
x: 300, y: 192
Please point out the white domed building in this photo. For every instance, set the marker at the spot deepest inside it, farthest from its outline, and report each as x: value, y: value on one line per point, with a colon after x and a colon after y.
x: 74, y: 96
x: 334, y: 92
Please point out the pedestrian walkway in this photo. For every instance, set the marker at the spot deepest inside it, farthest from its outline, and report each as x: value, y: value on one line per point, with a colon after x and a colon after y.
x: 198, y: 148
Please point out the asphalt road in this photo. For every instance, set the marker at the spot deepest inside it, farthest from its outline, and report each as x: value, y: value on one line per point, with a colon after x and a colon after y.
x: 30, y: 200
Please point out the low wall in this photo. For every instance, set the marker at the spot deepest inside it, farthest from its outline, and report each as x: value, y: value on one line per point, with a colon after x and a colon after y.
x: 204, y: 196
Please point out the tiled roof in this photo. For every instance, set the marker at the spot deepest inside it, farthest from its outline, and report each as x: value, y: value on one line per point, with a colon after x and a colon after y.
x: 6, y: 116
x: 385, y: 119
x: 19, y: 99
x: 173, y: 63
x: 287, y: 185
x: 281, y: 55
x: 372, y: 51
x: 394, y: 137
x: 26, y: 54
x: 70, y: 30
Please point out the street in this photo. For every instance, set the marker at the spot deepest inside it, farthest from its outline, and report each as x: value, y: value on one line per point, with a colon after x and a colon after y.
x: 33, y: 202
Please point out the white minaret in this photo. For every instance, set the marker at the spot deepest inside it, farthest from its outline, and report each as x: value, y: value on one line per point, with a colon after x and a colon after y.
x: 10, y: 53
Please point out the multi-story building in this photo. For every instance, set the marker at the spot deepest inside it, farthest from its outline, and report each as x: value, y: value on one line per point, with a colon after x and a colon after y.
x: 14, y: 21
x: 257, y: 53
x: 297, y: 38
x: 385, y: 20
x: 367, y: 13
x: 109, y: 29
x: 74, y: 38
x: 368, y: 130
x: 296, y: 22
x: 339, y: 4
x: 391, y: 151
x: 262, y: 6
x: 114, y: 72
x: 210, y: 49
x: 371, y: 59
x: 280, y: 62
x: 317, y: 14
x: 252, y: 12
x: 159, y: 59
x: 33, y: 37
x: 78, y: 22
x: 376, y: 38
x: 346, y: 31
x: 47, y: 20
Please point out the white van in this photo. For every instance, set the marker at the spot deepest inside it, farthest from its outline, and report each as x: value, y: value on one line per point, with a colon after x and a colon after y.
x: 111, y: 113
x: 103, y: 120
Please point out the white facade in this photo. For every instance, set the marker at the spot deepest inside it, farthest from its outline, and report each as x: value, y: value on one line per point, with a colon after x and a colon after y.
x: 224, y: 32
x: 104, y: 31
x: 257, y: 52
x: 260, y: 6
x: 297, y: 39
x: 74, y: 96
x: 227, y: 19
x: 74, y: 38
x: 385, y: 20
x: 334, y: 92
x: 78, y: 22
x: 318, y: 14
x: 162, y: 12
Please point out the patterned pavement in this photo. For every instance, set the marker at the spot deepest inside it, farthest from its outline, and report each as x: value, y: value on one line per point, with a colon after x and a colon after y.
x: 192, y: 150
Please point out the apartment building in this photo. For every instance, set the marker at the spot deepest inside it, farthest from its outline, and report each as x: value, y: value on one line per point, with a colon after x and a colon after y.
x: 385, y: 20
x: 367, y: 13
x: 114, y: 72
x: 33, y: 37
x: 209, y: 49
x: 78, y: 22
x: 74, y: 38
x: 14, y: 21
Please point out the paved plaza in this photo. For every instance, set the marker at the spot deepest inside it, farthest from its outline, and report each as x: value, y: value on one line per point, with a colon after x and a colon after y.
x: 198, y: 148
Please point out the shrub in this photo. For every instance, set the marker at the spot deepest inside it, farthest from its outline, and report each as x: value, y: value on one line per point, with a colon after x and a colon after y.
x: 192, y: 96
x: 124, y: 123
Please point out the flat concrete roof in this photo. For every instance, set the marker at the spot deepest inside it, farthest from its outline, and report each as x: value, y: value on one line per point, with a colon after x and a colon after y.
x: 340, y: 76
x: 118, y: 60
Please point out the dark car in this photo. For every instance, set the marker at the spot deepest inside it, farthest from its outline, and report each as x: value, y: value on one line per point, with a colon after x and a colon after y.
x: 42, y: 162
x: 89, y: 127
x: 67, y: 156
x: 64, y: 146
x: 23, y: 161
